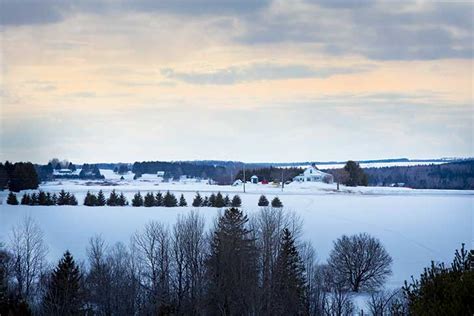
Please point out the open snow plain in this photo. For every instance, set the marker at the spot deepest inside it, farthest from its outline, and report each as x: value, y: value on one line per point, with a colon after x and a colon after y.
x: 416, y: 226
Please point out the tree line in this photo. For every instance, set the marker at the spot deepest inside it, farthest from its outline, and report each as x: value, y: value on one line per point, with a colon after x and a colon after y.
x: 43, y: 198
x: 271, y: 174
x: 18, y: 176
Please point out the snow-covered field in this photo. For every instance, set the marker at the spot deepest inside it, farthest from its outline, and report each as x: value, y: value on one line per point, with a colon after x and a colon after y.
x: 416, y: 226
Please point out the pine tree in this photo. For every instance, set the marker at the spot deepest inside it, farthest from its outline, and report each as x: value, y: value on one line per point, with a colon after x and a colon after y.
x: 262, y: 201
x: 42, y: 198
x: 72, y: 199
x: 54, y: 199
x: 90, y: 199
x: 49, y: 199
x: 236, y: 201
x: 219, y: 201
x: 34, y: 199
x: 26, y: 199
x: 159, y: 199
x: 137, y: 200
x: 182, y: 201
x: 62, y: 198
x: 170, y: 200
x: 276, y: 202
x: 122, y: 200
x: 289, y: 280
x: 149, y: 200
x: 212, y: 200
x: 101, y: 201
x: 232, y: 266
x: 64, y: 294
x: 113, y: 199
x: 197, y: 202
x: 227, y: 200
x: 205, y: 202
x: 11, y: 199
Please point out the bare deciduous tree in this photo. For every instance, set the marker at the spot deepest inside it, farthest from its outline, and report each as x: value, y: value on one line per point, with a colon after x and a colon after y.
x: 28, y: 252
x: 360, y: 261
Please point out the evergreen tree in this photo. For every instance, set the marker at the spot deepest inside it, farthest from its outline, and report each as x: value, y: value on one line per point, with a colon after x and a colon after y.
x: 122, y: 200
x: 289, y: 280
x: 149, y: 200
x: 101, y: 201
x: 227, y: 200
x: 26, y: 199
x: 42, y: 198
x: 54, y: 198
x: 64, y: 294
x: 113, y: 199
x: 11, y: 199
x: 232, y: 266
x: 159, y: 199
x: 219, y: 201
x: 23, y: 176
x: 182, y: 201
x: 262, y: 201
x: 197, y: 202
x: 236, y: 201
x: 276, y: 202
x: 137, y: 200
x: 62, y: 198
x: 212, y: 200
x: 90, y: 199
x: 72, y: 199
x: 49, y: 199
x: 34, y: 199
x: 356, y: 175
x: 205, y: 202
x: 170, y: 200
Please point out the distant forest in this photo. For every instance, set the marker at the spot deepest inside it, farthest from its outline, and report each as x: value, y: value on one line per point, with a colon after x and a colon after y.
x: 455, y: 175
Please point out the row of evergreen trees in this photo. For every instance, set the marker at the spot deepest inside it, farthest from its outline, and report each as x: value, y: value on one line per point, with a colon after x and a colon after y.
x: 43, y: 198
x: 263, y: 201
x: 114, y: 199
x: 151, y: 200
x: 216, y: 200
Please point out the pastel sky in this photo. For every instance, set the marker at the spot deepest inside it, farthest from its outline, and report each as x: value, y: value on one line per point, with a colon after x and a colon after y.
x: 302, y: 80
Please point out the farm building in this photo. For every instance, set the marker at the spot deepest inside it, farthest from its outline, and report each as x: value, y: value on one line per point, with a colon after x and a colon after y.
x: 313, y: 174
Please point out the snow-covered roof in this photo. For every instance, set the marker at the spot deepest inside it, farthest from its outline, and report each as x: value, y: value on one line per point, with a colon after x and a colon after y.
x: 253, y: 177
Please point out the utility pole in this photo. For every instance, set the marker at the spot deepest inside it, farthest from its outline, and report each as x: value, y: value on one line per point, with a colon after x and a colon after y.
x: 244, y: 176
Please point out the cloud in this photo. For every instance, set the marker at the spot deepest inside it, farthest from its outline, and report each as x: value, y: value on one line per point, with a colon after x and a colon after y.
x: 259, y: 71
x: 377, y: 30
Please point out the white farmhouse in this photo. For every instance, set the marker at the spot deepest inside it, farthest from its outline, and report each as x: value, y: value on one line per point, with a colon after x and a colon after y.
x: 312, y: 174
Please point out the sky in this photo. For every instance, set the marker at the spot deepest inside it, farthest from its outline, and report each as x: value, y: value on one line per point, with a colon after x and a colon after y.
x: 255, y: 81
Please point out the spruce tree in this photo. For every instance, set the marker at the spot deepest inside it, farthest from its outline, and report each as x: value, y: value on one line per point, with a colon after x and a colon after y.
x: 232, y: 266
x: 72, y: 199
x: 101, y: 201
x: 197, y: 202
x: 219, y: 201
x: 170, y: 200
x: 159, y: 199
x: 90, y: 199
x: 42, y: 198
x: 62, y: 198
x: 212, y: 200
x: 34, y: 199
x: 236, y: 201
x: 276, y: 202
x: 289, y: 280
x: 149, y: 200
x: 26, y: 199
x: 64, y: 294
x: 262, y: 201
x: 227, y: 200
x: 11, y: 199
x: 137, y: 200
x: 54, y: 198
x: 49, y: 199
x: 205, y: 202
x: 182, y: 201
x: 122, y: 200
x: 113, y: 199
